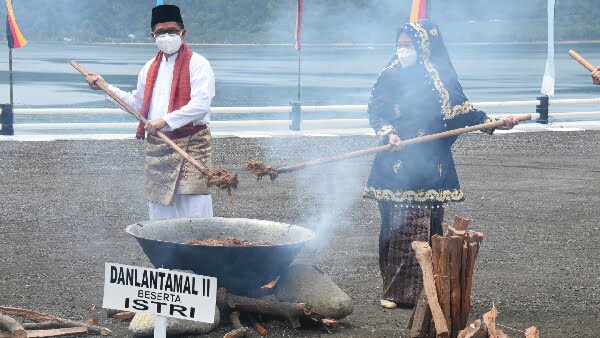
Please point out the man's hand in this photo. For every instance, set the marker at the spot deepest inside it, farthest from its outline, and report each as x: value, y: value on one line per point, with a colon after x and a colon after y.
x: 155, y: 125
x: 509, y: 123
x: 94, y: 81
x: 596, y: 76
x: 395, y: 142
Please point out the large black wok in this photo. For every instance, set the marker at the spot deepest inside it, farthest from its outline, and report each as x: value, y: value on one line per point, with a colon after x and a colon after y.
x: 242, y: 270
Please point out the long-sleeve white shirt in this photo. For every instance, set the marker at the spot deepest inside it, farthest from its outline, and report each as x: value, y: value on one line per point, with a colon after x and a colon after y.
x: 202, y: 82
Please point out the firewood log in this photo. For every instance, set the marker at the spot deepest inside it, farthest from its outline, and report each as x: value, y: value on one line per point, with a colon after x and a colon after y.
x: 292, y: 311
x: 460, y: 223
x: 42, y: 326
x: 455, y: 250
x: 124, y: 316
x: 532, y: 332
x: 489, y: 319
x: 475, y: 330
x: 261, y: 330
x: 471, y: 247
x: 444, y: 287
x: 43, y: 317
x: 12, y: 326
x: 424, y: 257
x: 453, y: 232
x: 239, y: 330
x: 67, y: 331
x: 421, y: 318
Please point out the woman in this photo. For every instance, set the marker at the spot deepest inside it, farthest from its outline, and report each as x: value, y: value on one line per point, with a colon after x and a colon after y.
x: 417, y: 94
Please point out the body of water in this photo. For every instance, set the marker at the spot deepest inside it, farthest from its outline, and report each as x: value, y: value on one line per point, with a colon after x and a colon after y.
x: 267, y: 75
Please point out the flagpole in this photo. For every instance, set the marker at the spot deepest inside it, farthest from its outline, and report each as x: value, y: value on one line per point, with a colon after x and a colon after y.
x: 10, y: 75
x: 299, y: 53
x: 428, y: 14
x: 296, y: 113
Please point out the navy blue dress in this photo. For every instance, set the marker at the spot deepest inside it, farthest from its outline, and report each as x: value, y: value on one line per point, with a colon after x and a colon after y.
x: 424, y: 99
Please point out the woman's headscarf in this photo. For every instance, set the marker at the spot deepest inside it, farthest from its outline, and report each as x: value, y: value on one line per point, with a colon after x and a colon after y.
x: 433, y: 56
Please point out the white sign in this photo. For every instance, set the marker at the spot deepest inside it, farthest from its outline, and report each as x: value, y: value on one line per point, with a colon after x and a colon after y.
x: 161, y: 292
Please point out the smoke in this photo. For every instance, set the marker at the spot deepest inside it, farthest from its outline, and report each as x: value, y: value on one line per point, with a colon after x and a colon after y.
x: 335, y: 187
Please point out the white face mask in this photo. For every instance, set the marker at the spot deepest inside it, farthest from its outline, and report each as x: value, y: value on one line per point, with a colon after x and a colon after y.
x: 407, y: 57
x: 169, y: 43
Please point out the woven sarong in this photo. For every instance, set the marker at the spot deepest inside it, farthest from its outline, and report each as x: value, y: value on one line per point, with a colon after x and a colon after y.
x: 168, y: 174
x: 400, y: 226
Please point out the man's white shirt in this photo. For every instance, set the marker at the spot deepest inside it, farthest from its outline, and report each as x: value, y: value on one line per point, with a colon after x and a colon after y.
x: 197, y: 111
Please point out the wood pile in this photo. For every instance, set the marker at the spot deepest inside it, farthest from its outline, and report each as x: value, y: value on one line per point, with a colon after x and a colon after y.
x: 44, y: 325
x: 267, y: 306
x: 443, y: 308
x: 447, y: 267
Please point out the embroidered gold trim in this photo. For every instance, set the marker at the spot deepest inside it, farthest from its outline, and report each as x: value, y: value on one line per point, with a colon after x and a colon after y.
x: 385, y: 130
x: 416, y: 196
x: 394, y: 64
x: 397, y: 166
x: 488, y: 119
x: 435, y: 76
x: 464, y: 108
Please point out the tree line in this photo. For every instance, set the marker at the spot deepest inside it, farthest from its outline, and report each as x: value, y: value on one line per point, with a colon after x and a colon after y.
x: 325, y: 21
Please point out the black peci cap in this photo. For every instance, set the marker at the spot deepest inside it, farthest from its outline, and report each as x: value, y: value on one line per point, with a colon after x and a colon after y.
x: 165, y: 13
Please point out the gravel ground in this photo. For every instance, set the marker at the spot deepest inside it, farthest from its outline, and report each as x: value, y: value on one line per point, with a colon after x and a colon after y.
x: 65, y: 205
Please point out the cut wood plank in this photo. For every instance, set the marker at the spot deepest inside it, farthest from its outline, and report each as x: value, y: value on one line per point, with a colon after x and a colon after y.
x: 472, y: 249
x: 475, y: 237
x: 424, y: 257
x: 489, y: 319
x: 67, y: 331
x: 124, y: 316
x: 455, y: 250
x: 34, y: 316
x: 475, y: 330
x: 461, y: 223
x: 44, y: 317
x: 465, y: 306
x: 421, y: 318
x: 12, y: 326
x: 42, y: 326
x: 532, y: 332
x: 436, y: 261
x: 444, y: 272
x: 454, y: 232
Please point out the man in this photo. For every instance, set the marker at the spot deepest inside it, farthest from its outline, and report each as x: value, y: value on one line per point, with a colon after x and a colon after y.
x: 596, y: 76
x: 174, y: 91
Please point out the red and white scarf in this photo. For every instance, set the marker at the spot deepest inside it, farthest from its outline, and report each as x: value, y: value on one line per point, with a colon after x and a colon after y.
x: 180, y: 87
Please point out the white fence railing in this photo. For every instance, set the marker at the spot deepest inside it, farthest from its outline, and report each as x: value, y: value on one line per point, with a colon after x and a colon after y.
x: 278, y: 124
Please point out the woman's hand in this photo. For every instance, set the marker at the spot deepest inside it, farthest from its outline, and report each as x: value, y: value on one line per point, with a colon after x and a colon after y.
x: 395, y: 142
x: 94, y: 81
x: 596, y: 76
x: 509, y: 123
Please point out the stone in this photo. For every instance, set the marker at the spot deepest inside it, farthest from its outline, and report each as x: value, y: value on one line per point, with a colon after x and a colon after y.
x: 142, y: 325
x: 307, y: 284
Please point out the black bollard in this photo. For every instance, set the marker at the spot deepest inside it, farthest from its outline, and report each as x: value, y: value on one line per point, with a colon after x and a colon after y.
x: 296, y: 115
x: 7, y: 119
x: 543, y: 109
